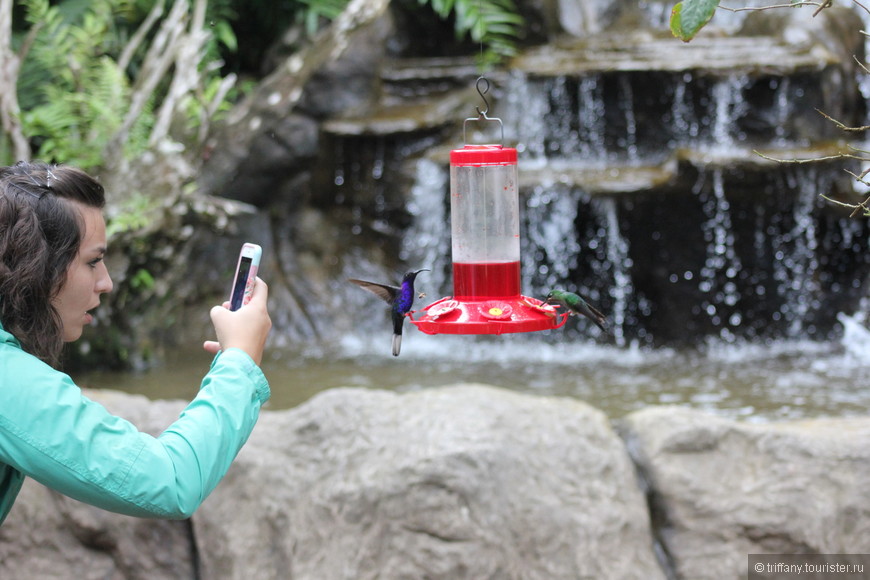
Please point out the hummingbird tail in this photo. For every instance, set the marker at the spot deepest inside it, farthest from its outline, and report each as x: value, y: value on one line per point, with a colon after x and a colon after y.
x: 397, y: 344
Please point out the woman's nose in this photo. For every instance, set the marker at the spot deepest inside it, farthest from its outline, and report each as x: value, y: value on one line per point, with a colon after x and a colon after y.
x: 104, y: 284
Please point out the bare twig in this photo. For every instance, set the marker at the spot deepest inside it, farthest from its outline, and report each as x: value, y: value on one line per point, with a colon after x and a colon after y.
x: 859, y: 177
x: 859, y: 63
x: 813, y: 159
x: 841, y: 125
x: 855, y: 207
x: 773, y: 6
x: 210, y: 109
x: 822, y: 7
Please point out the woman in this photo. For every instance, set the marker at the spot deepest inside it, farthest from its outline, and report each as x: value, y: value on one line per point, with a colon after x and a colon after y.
x: 52, y: 274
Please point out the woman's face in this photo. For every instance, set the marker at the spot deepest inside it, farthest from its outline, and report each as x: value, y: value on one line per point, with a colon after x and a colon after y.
x: 86, y: 277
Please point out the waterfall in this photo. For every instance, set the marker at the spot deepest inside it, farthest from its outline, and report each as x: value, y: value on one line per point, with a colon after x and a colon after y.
x: 683, y: 111
x: 795, y: 262
x: 717, y: 280
x: 626, y: 105
x: 526, y: 105
x: 729, y: 105
x: 560, y: 127
x: 427, y: 242
x: 782, y: 110
x: 617, y: 254
x: 554, y: 249
x: 558, y: 118
x: 615, y: 165
x: 551, y: 246
x: 592, y: 119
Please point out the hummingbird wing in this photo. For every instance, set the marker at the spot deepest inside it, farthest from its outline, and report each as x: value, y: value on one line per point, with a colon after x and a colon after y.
x: 594, y: 315
x: 385, y: 292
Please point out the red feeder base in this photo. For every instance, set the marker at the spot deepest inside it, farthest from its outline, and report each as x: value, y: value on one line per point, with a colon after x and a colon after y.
x: 481, y: 315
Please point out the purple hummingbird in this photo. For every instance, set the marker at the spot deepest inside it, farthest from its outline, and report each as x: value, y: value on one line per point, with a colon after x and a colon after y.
x: 400, y: 299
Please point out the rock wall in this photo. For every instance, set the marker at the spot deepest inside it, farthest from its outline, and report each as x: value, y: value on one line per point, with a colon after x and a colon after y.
x: 474, y: 482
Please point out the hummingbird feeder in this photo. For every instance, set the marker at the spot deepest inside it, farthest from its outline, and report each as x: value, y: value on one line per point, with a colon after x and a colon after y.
x: 485, y: 240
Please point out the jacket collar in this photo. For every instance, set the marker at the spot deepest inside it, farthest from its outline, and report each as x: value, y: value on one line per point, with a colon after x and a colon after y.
x: 7, y: 338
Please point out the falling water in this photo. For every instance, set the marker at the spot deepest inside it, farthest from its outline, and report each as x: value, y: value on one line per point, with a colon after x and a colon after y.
x: 525, y: 105
x: 557, y: 119
x: 717, y: 280
x: 795, y: 261
x: 617, y: 254
x: 729, y: 106
x: 626, y: 105
x: 427, y: 242
x: 782, y: 111
x: 591, y: 118
x: 683, y: 111
x: 563, y: 137
x: 551, y: 245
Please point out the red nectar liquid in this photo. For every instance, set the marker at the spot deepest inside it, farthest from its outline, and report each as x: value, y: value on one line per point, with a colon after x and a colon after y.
x: 486, y: 279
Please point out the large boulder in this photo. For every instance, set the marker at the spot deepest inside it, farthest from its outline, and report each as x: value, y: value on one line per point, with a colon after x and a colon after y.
x: 721, y: 490
x: 464, y: 482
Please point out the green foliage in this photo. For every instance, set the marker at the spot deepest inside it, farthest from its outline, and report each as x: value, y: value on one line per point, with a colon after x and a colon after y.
x: 74, y: 96
x: 74, y: 125
x: 142, y: 280
x: 313, y: 12
x: 495, y: 24
x: 690, y: 16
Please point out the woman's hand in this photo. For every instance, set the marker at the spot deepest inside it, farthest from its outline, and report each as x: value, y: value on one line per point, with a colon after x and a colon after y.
x: 246, y: 328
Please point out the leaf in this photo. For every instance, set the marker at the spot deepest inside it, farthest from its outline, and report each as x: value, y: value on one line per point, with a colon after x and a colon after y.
x: 690, y: 16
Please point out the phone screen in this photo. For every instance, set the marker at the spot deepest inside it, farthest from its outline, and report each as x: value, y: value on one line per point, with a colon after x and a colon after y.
x: 241, y: 282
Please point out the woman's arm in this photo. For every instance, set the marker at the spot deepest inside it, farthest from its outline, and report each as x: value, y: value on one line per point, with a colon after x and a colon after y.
x: 54, y: 434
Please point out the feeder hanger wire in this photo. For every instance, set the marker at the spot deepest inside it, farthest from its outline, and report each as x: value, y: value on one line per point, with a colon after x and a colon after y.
x: 482, y: 86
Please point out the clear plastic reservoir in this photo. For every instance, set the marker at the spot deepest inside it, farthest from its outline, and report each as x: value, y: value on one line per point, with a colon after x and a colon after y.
x: 485, y: 218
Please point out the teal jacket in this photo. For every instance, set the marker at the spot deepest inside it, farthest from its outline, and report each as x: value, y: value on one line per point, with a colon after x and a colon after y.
x: 51, y: 432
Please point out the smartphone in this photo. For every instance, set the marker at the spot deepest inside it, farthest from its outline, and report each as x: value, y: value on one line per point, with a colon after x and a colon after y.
x: 246, y: 274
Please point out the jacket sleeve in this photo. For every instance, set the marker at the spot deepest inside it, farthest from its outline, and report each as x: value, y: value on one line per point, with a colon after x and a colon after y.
x: 51, y: 432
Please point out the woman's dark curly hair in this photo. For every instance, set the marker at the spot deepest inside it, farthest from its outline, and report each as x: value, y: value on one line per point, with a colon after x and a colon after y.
x: 41, y: 230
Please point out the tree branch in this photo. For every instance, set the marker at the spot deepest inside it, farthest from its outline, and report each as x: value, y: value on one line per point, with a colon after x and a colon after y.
x: 139, y: 36
x: 157, y: 61
x: 10, y: 65
x: 186, y: 75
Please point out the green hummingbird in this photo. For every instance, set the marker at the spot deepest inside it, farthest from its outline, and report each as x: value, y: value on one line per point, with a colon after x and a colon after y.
x: 400, y: 299
x: 575, y: 304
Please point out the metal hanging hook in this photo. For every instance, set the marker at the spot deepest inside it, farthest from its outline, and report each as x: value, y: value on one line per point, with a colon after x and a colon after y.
x: 482, y: 93
x: 482, y: 86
